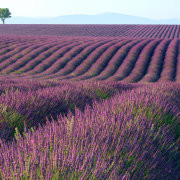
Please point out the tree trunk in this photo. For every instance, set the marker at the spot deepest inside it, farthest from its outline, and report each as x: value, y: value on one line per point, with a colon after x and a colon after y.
x: 3, y: 20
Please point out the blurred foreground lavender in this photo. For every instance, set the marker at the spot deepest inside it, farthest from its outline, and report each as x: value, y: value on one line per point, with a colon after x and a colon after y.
x: 88, y: 130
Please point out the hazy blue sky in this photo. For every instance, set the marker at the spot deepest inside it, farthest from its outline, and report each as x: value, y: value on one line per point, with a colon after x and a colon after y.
x: 154, y: 9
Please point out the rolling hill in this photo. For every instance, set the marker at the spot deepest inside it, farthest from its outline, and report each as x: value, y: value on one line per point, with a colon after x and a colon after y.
x: 127, y: 53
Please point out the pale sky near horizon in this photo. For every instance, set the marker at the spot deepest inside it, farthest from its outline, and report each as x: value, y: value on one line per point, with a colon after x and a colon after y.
x: 153, y: 9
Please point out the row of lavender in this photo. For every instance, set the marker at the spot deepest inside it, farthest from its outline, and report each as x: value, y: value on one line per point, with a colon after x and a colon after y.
x: 127, y: 60
x: 112, y: 139
x: 34, y: 100
x: 135, y: 31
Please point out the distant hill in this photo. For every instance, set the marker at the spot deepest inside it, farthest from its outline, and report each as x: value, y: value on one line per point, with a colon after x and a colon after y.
x: 105, y: 18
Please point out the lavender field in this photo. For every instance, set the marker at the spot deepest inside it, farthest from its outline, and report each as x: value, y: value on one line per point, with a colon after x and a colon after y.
x: 81, y: 58
x: 90, y: 30
x: 89, y: 102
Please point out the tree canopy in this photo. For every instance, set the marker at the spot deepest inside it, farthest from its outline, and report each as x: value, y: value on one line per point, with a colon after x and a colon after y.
x: 4, y: 13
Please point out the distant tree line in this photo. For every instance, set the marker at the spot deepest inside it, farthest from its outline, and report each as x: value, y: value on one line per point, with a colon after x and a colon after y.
x: 4, y: 13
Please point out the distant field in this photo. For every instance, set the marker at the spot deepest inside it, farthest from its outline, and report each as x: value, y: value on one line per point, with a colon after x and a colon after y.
x: 135, y: 31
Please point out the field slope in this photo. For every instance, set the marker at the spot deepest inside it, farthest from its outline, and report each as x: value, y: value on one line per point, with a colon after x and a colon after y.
x: 89, y: 102
x: 81, y: 58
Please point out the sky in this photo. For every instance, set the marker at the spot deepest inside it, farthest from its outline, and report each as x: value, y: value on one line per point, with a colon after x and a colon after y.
x: 153, y: 9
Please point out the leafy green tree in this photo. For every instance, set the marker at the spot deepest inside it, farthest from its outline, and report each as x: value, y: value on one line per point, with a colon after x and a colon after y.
x: 4, y: 13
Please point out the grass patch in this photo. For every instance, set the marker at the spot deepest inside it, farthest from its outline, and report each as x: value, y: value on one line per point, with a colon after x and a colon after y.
x: 18, y: 72
x: 12, y: 118
x: 160, y: 117
x: 102, y: 94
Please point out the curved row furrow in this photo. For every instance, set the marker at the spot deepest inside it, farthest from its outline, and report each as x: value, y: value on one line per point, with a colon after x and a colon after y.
x: 128, y: 63
x: 160, y: 32
x: 43, y: 67
x: 140, y: 29
x: 152, y: 32
x: 101, y: 61
x: 169, y: 67
x: 146, y: 31
x: 22, y: 40
x: 133, y: 33
x: 77, y: 60
x: 42, y: 57
x: 18, y: 52
x: 172, y: 32
x: 142, y: 32
x: 177, y: 79
x: 10, y: 41
x: 87, y: 63
x: 11, y: 50
x: 169, y: 32
x: 177, y: 34
x: 142, y: 63
x: 116, y: 60
x: 5, y: 60
x: 123, y: 31
x: 108, y: 66
x: 6, y: 40
x: 107, y: 56
x: 78, y: 70
x: 130, y: 31
x: 9, y: 44
x: 18, y: 47
x: 67, y: 56
x: 17, y: 62
x: 5, y: 46
x: 165, y: 30
x: 5, y: 49
x: 47, y: 66
x: 156, y: 32
x: 156, y: 63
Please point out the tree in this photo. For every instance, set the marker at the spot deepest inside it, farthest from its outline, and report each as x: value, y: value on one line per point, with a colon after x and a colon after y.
x: 4, y: 13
